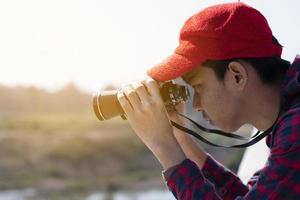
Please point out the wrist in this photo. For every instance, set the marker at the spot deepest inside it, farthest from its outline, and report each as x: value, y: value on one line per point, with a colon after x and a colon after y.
x: 181, y: 136
x: 191, y: 148
x: 169, y: 154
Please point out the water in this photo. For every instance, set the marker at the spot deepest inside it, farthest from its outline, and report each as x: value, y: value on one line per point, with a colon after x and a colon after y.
x: 145, y: 195
x: 17, y: 194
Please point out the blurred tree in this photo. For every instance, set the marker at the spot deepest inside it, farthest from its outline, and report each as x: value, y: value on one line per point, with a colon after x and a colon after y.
x: 36, y: 100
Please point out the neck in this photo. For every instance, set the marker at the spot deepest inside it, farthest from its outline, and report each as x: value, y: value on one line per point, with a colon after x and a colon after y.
x: 264, y: 107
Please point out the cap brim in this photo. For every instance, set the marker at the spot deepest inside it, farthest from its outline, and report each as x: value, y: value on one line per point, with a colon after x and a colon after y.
x: 174, y: 66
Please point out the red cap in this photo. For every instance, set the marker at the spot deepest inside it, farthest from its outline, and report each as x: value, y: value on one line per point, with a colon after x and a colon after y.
x: 224, y: 31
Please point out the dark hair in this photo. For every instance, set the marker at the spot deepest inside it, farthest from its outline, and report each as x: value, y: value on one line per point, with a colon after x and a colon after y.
x: 271, y: 70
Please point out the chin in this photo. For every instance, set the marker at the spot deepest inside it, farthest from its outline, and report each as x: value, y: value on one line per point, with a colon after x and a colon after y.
x: 229, y: 129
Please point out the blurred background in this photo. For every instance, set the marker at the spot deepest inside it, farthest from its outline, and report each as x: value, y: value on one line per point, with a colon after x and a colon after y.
x: 54, y: 55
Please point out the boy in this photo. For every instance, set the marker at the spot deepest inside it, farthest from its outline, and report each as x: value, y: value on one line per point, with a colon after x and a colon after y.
x: 228, y: 54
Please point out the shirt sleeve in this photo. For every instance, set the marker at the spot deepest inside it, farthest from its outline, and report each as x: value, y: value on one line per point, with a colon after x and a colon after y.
x: 226, y: 183
x: 188, y: 182
x: 278, y: 179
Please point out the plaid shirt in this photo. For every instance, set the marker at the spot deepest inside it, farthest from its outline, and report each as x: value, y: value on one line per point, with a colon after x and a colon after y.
x: 278, y: 179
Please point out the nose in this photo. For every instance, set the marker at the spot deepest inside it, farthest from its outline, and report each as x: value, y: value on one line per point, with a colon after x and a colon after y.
x: 197, y: 103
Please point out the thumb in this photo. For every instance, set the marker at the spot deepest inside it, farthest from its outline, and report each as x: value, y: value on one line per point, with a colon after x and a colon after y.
x: 173, y: 115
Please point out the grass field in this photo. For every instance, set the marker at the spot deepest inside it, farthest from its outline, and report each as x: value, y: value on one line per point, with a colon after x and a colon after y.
x: 74, y: 153
x: 70, y: 152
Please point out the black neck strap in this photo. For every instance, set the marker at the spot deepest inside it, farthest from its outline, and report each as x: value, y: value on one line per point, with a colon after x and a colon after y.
x: 254, y: 139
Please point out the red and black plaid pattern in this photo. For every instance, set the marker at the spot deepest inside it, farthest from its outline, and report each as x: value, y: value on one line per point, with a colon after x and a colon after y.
x: 278, y: 179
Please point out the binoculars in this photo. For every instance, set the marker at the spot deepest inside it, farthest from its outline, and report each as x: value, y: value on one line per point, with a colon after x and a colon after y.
x: 106, y: 104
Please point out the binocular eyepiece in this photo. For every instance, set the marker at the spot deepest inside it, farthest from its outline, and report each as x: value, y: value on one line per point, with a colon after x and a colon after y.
x: 106, y: 104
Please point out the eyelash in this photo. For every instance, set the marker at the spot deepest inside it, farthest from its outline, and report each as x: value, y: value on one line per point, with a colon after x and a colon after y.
x: 197, y: 87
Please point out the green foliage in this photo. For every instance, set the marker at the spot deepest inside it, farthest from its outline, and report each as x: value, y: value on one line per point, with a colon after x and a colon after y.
x: 53, y: 142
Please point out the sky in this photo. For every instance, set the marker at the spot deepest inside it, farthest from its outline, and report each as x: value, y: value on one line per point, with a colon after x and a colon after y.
x: 93, y: 43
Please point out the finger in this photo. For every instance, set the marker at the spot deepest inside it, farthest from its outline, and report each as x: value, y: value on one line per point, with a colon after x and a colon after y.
x: 133, y: 98
x: 141, y: 91
x: 153, y: 87
x: 126, y: 106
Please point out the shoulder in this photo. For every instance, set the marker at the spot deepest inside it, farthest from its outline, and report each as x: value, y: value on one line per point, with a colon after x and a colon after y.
x: 286, y: 132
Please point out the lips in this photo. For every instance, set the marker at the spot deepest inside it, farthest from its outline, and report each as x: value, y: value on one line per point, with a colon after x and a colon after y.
x: 207, y: 119
x: 205, y: 116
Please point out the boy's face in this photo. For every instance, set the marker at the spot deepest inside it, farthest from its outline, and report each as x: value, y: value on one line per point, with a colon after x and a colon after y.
x: 218, y: 100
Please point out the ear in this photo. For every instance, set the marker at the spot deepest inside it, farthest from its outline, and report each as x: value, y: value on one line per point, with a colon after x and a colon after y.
x: 236, y: 75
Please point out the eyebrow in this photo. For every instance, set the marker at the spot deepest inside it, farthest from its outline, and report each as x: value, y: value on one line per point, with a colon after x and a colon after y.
x: 187, y: 78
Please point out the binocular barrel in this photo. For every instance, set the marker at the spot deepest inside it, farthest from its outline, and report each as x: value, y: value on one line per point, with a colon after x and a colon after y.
x: 106, y: 105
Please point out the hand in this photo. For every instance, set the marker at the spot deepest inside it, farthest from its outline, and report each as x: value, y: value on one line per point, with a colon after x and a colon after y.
x: 173, y: 116
x: 145, y: 111
x: 189, y: 146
